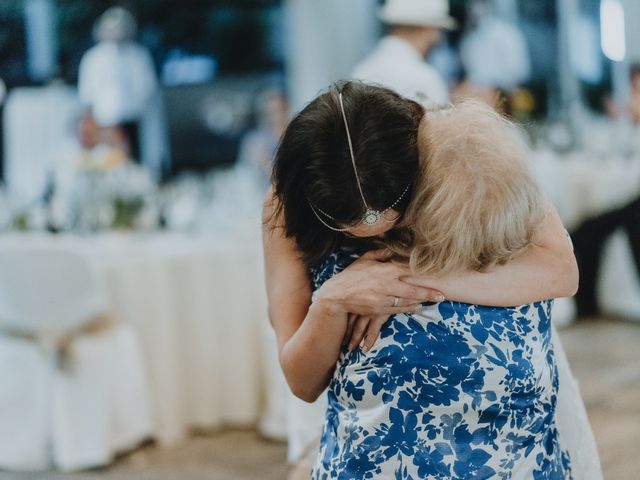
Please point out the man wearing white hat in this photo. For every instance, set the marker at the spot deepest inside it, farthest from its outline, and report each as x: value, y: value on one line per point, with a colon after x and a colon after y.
x: 398, y: 62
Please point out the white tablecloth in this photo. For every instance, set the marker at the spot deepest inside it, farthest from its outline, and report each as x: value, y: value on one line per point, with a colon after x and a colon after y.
x: 199, y: 306
x: 581, y: 185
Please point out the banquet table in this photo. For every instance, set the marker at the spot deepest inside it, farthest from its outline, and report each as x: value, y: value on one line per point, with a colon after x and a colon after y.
x: 198, y: 304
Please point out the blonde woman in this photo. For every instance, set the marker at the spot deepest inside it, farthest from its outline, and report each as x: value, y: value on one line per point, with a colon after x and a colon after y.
x: 449, y: 390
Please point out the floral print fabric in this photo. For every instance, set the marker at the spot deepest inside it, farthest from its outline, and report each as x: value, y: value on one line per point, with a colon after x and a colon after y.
x: 456, y: 391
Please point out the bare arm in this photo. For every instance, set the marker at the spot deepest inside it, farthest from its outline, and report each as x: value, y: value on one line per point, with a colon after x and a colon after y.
x: 546, y: 270
x: 310, y: 333
x: 309, y: 336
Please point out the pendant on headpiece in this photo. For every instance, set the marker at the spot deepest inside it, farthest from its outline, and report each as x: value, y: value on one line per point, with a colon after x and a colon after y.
x: 371, y: 217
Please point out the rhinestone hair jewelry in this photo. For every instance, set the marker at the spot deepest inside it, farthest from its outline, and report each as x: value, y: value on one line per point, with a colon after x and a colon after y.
x: 371, y: 216
x: 380, y: 215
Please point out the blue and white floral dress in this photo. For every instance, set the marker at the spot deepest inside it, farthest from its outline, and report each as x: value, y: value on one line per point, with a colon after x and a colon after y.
x: 457, y: 391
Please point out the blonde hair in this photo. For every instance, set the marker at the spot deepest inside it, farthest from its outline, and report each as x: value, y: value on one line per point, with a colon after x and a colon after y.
x: 475, y: 204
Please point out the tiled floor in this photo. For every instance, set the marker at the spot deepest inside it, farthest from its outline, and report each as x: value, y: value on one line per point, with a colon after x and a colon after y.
x: 604, y: 354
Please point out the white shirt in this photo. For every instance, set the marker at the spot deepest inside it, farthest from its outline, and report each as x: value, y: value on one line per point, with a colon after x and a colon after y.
x: 495, y: 54
x: 397, y: 65
x: 116, y: 81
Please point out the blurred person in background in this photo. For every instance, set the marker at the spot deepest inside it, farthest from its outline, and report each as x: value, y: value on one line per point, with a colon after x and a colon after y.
x: 493, y: 51
x: 591, y: 236
x: 3, y: 94
x: 398, y: 61
x: 89, y: 147
x: 101, y: 147
x: 117, y: 80
x: 634, y: 103
x: 632, y: 109
x: 494, y: 57
x: 495, y: 62
x: 589, y: 240
x: 259, y: 144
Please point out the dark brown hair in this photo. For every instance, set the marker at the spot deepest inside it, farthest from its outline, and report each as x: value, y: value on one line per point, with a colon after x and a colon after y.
x: 313, y: 164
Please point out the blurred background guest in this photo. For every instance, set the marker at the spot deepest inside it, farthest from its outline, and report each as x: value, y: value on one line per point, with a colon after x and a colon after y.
x: 592, y: 236
x: 91, y: 135
x: 493, y: 51
x: 494, y: 57
x: 83, y: 166
x: 398, y: 61
x: 632, y: 109
x: 258, y: 146
x: 634, y: 103
x: 590, y: 240
x: 117, y: 79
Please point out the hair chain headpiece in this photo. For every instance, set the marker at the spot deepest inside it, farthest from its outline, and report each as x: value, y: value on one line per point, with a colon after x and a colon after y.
x: 371, y: 216
x: 335, y: 229
x: 353, y: 157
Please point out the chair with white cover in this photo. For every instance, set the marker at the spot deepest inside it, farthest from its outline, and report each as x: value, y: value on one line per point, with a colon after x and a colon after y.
x: 37, y: 122
x: 74, y: 390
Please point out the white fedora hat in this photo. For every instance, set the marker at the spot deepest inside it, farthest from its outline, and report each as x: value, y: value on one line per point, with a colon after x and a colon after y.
x: 423, y: 13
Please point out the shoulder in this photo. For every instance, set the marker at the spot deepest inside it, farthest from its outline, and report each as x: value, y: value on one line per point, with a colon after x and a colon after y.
x: 91, y: 55
x: 427, y: 71
x: 276, y: 243
x: 427, y: 81
x: 271, y: 210
x: 370, y: 66
x: 137, y: 53
x: 378, y: 62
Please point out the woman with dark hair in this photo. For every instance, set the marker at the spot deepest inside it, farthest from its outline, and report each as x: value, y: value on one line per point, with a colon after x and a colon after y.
x: 344, y: 175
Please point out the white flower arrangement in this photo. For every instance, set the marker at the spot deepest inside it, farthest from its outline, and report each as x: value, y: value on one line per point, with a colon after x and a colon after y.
x: 120, y: 197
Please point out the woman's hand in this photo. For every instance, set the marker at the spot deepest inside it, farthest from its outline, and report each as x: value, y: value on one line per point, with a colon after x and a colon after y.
x: 372, y: 288
x: 367, y: 290
x: 363, y: 331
